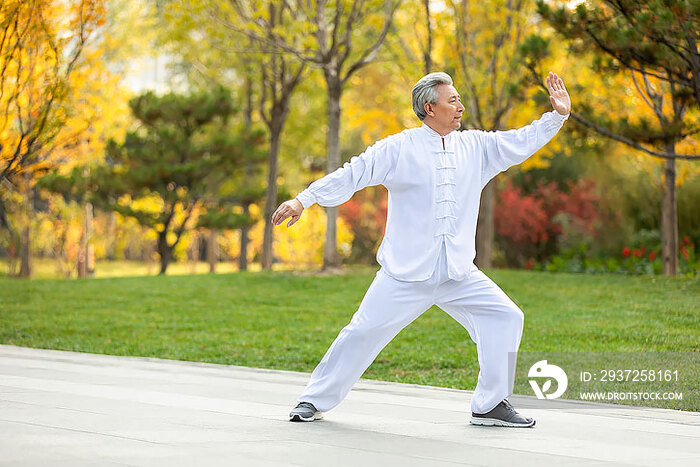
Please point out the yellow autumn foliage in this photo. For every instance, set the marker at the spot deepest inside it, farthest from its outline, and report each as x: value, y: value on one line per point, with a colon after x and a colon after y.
x: 301, y: 245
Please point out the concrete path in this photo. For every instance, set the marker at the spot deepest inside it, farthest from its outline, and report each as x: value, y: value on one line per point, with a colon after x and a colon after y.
x: 74, y: 409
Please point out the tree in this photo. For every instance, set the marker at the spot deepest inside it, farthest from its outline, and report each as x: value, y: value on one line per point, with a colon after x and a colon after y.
x: 168, y: 172
x: 335, y: 28
x: 488, y: 64
x: 41, y: 44
x: 655, y: 44
x: 231, y: 211
x: 266, y: 78
x: 335, y: 44
x: 279, y: 76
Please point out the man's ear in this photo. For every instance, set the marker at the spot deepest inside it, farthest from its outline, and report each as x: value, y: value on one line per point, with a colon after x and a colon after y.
x: 428, y: 109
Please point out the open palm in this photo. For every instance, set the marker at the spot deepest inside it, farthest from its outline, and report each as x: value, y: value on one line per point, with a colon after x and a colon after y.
x: 558, y: 95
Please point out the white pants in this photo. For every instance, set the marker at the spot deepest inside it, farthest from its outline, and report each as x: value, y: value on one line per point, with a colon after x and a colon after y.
x: 492, y: 320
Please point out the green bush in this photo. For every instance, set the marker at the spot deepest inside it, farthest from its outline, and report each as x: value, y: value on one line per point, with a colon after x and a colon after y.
x: 642, y: 257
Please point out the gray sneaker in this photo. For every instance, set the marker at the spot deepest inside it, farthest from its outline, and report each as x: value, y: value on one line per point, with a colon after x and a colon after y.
x: 304, y: 412
x: 502, y: 415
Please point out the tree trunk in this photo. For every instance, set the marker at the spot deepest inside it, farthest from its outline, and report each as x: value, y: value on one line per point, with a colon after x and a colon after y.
x: 4, y: 222
x: 331, y: 260
x: 14, y: 240
x: 248, y: 120
x: 243, y: 257
x: 427, y: 53
x: 669, y: 217
x: 194, y: 251
x: 485, y: 227
x: 164, y: 251
x: 111, y: 236
x: 90, y: 249
x: 212, y: 250
x: 271, y: 196
x: 25, y: 269
x: 85, y: 263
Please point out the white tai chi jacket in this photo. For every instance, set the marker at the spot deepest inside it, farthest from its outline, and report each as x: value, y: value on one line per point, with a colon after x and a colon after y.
x: 434, y: 184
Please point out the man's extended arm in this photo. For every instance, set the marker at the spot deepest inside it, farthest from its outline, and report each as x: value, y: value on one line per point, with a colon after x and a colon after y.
x: 375, y: 166
x: 504, y: 149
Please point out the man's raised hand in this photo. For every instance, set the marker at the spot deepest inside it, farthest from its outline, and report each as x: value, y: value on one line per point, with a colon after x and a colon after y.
x: 289, y: 208
x: 558, y: 94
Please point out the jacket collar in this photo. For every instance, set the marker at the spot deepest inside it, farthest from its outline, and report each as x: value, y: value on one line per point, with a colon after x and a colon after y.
x: 434, y: 133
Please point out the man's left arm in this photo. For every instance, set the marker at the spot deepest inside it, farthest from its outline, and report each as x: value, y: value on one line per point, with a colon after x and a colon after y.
x: 504, y: 149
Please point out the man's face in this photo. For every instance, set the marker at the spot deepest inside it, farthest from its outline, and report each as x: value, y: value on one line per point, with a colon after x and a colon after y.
x: 448, y: 110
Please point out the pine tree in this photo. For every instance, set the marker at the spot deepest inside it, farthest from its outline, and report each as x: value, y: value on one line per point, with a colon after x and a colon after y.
x: 655, y: 44
x: 180, y: 165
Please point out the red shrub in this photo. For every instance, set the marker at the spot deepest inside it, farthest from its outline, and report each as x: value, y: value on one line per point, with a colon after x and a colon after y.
x: 520, y: 218
x: 366, y: 215
x: 532, y: 223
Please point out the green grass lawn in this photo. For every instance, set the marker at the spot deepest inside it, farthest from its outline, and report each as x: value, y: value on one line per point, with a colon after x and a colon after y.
x: 287, y: 321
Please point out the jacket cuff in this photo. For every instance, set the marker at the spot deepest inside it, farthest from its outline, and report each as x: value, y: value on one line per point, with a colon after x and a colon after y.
x: 559, y: 118
x: 306, y: 198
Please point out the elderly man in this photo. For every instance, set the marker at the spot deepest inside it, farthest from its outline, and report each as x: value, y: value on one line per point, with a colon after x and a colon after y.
x: 434, y: 176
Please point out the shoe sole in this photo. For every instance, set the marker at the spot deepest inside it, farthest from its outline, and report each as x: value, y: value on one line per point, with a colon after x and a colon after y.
x: 299, y: 418
x: 496, y: 422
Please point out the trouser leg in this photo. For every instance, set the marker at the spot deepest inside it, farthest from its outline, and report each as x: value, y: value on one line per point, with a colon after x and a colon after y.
x: 389, y: 305
x: 495, y: 324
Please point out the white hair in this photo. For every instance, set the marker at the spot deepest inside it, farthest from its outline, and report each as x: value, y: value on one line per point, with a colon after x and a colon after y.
x: 425, y: 91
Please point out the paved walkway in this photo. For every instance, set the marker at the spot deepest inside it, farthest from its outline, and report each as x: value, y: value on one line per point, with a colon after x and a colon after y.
x: 74, y: 409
